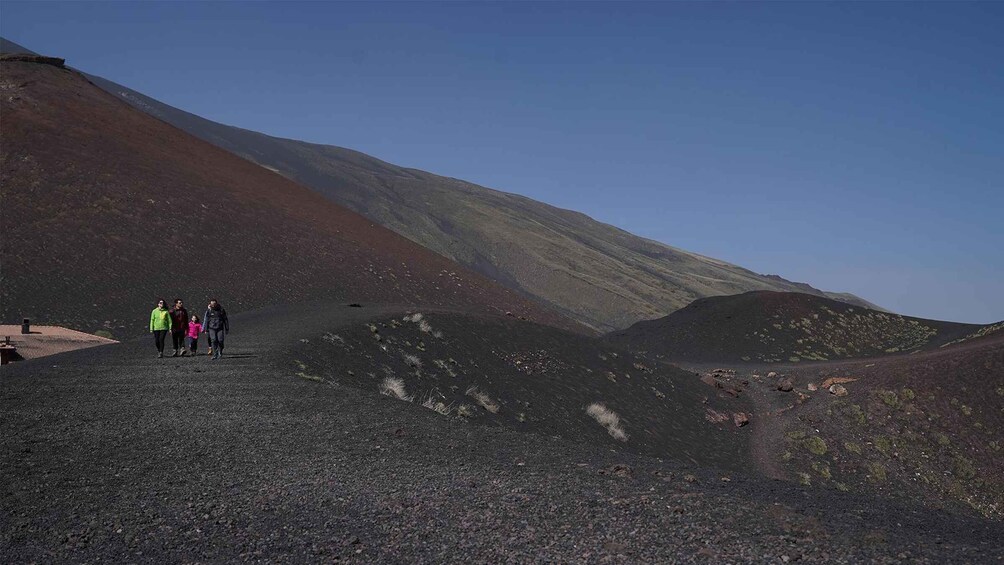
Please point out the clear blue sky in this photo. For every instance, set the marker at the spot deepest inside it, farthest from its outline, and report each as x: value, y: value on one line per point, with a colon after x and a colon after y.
x: 858, y: 147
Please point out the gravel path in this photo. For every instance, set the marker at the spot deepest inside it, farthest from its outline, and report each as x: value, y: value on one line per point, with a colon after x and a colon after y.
x: 112, y: 455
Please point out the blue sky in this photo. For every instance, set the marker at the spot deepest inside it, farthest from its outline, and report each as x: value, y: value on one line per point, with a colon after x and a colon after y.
x: 857, y: 147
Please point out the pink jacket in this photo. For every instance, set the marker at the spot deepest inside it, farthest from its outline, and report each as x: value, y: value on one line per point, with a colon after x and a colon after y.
x: 194, y: 329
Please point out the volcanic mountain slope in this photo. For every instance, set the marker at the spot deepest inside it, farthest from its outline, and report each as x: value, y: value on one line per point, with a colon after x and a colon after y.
x: 597, y: 274
x: 106, y: 208
x: 275, y: 454
x: 782, y: 326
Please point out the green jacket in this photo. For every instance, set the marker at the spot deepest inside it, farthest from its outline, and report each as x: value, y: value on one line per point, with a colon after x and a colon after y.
x: 160, y: 319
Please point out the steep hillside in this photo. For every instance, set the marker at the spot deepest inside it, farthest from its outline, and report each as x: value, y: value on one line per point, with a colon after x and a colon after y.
x: 595, y: 273
x: 784, y: 327
x: 105, y: 209
x: 923, y: 427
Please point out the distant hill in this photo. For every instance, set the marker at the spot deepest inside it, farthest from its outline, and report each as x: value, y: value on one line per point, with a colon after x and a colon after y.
x: 773, y: 327
x: 105, y: 209
x: 595, y: 273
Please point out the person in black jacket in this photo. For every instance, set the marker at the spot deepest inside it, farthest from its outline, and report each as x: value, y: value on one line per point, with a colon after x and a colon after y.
x: 179, y: 327
x: 216, y: 324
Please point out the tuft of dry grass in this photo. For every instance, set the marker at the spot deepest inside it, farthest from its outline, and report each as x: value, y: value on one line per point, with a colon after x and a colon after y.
x: 483, y: 399
x: 394, y: 387
x: 437, y: 406
x: 412, y: 361
x: 608, y: 419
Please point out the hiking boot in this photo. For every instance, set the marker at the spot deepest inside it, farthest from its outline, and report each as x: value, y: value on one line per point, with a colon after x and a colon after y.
x: 175, y: 354
x: 184, y: 352
x: 160, y: 355
x: 210, y: 352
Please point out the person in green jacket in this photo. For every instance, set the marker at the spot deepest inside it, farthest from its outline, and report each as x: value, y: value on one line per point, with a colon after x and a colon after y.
x: 160, y: 324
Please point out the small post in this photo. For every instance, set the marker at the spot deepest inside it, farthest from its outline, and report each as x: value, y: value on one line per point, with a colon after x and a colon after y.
x: 26, y: 326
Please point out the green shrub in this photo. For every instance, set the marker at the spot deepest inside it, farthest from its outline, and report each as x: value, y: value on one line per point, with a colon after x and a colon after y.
x: 882, y: 444
x: 816, y: 445
x: 856, y: 414
x: 908, y: 394
x: 876, y: 472
x: 964, y: 468
x: 823, y: 469
x: 852, y: 447
x: 105, y: 334
x: 889, y: 398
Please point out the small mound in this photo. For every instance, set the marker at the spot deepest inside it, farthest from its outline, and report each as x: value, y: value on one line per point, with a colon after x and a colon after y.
x: 772, y: 327
x: 532, y: 378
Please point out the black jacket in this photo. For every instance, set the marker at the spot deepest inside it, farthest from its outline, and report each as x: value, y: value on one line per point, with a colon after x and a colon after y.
x: 179, y: 317
x: 216, y: 319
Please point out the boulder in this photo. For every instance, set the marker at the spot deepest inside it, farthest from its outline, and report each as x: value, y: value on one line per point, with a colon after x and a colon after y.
x: 837, y: 381
x: 740, y: 419
x: 838, y: 390
x: 785, y: 385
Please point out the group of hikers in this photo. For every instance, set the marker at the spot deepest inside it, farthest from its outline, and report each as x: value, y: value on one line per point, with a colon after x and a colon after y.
x: 185, y: 330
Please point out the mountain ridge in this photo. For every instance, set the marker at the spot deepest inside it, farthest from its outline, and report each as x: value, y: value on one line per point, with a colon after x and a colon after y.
x: 596, y: 273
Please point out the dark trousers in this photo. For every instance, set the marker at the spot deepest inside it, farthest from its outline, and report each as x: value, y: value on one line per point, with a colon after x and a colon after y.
x: 159, y: 337
x: 193, y: 344
x: 179, y: 339
x: 216, y: 340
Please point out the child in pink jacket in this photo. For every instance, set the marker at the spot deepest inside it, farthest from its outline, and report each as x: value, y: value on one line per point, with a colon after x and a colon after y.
x: 192, y: 339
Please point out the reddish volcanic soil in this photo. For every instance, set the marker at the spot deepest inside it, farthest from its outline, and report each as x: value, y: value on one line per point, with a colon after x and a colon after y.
x: 106, y: 209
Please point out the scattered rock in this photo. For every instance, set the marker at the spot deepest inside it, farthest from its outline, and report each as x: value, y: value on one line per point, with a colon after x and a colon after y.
x: 618, y: 470
x: 812, y: 387
x: 837, y: 381
x: 785, y: 385
x: 714, y: 416
x: 771, y: 375
x: 740, y: 419
x: 838, y: 390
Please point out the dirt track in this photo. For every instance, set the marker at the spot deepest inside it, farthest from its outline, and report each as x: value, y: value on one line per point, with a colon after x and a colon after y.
x: 112, y: 455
